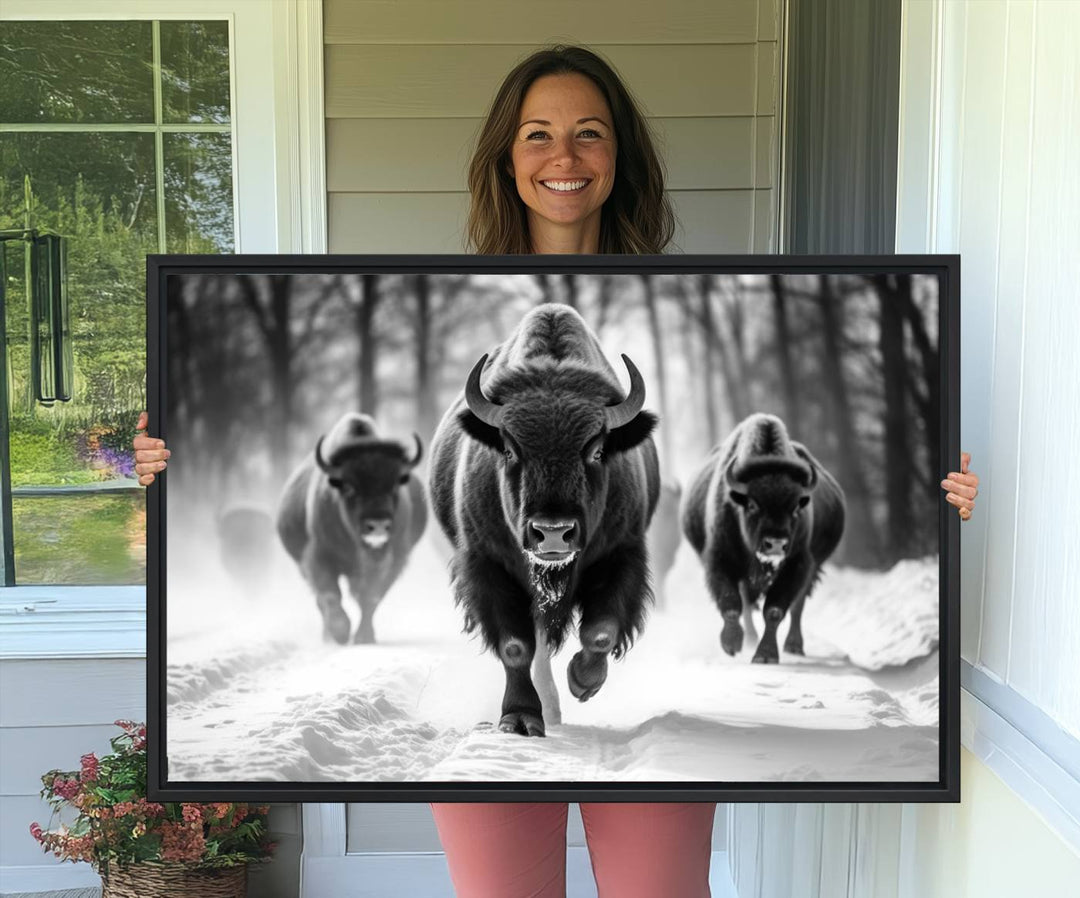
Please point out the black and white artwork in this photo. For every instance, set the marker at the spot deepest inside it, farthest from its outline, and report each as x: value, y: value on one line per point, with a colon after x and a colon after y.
x: 605, y: 526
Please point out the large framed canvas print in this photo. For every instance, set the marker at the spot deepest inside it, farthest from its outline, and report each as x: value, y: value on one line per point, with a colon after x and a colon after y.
x: 554, y: 528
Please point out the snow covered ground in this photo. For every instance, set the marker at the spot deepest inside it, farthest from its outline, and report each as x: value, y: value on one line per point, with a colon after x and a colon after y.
x: 254, y: 694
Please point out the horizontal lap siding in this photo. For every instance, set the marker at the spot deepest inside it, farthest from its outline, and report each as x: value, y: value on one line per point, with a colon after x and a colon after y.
x: 51, y: 713
x: 409, y: 81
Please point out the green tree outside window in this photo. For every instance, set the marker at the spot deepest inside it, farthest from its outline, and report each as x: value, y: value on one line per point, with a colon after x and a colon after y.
x: 117, y: 136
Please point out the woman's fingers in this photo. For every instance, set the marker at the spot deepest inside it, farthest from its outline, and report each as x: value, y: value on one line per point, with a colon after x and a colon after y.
x: 150, y: 452
x: 960, y: 501
x: 966, y: 488
x: 962, y: 487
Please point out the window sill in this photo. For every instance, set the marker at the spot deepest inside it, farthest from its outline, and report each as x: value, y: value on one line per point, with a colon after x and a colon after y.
x: 73, y: 622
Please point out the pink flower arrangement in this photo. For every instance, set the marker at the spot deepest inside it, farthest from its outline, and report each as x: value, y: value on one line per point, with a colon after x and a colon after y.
x: 116, y: 824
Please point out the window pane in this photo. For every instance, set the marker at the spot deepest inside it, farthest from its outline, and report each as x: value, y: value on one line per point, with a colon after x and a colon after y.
x: 198, y: 193
x: 195, y: 71
x: 76, y: 72
x: 81, y: 540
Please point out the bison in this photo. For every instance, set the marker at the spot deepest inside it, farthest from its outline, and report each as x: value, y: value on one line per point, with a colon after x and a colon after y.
x: 763, y: 515
x: 544, y: 478
x: 246, y: 543
x: 355, y: 509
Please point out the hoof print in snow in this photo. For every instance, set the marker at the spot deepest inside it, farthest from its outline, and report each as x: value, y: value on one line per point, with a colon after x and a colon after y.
x: 584, y: 676
x: 731, y: 638
x: 523, y: 723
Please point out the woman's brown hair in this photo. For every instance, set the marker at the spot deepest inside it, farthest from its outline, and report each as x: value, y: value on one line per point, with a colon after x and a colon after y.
x: 636, y: 217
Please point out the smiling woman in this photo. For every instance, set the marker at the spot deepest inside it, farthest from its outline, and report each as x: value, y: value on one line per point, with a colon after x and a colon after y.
x: 565, y: 164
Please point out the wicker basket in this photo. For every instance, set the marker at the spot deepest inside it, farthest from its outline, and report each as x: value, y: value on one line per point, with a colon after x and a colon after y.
x: 148, y: 880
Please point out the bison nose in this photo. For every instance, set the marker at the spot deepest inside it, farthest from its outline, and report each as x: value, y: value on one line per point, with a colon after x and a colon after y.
x: 375, y: 531
x: 553, y: 534
x: 773, y: 545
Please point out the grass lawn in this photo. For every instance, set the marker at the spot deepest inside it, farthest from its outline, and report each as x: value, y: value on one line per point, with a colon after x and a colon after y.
x: 81, y: 540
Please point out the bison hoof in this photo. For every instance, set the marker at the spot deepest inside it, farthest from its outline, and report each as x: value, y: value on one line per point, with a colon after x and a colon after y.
x: 336, y: 627
x: 523, y: 723
x: 765, y: 656
x: 794, y: 646
x: 731, y: 637
x: 364, y: 636
x: 586, y: 673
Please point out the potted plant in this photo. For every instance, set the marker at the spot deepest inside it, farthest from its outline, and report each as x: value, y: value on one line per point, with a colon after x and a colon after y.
x: 141, y: 847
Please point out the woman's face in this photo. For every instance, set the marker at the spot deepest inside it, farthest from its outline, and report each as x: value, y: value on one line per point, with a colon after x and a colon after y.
x: 563, y: 154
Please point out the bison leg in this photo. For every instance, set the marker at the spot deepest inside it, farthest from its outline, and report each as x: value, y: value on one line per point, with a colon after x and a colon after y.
x: 587, y: 670
x: 767, y: 653
x: 749, y: 600
x: 794, y: 642
x: 365, y: 633
x: 729, y: 600
x: 545, y: 681
x: 323, y: 577
x: 502, y: 609
x: 614, y: 597
x: 522, y: 712
x: 792, y: 582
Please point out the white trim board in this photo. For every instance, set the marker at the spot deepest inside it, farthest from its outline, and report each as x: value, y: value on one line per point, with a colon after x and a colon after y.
x: 1025, y: 767
x: 48, y: 878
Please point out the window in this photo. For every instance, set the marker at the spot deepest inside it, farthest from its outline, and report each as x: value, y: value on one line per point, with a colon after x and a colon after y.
x: 118, y: 136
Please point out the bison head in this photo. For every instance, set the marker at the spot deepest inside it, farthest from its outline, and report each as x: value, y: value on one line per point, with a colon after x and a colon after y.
x: 770, y: 495
x: 365, y: 474
x: 561, y: 430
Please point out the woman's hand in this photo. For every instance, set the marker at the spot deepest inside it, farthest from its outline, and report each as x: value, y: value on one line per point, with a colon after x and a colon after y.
x: 150, y: 454
x: 962, y: 487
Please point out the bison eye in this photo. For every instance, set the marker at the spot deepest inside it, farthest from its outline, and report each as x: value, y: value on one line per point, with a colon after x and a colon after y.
x: 508, y: 454
x: 598, y: 455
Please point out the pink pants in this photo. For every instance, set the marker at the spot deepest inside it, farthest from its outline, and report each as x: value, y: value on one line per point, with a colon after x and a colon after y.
x: 519, y: 850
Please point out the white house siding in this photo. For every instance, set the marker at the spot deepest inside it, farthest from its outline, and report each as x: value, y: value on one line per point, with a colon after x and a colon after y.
x: 408, y: 82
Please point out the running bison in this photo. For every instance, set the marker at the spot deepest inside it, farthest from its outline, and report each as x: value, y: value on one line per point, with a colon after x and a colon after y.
x: 353, y: 509
x: 544, y: 477
x: 764, y: 515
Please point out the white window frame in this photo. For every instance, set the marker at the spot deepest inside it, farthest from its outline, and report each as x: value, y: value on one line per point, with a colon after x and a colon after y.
x: 279, y: 201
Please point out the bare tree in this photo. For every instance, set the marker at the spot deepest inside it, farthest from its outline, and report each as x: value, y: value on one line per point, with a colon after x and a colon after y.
x: 792, y: 414
x: 864, y: 543
x: 648, y: 281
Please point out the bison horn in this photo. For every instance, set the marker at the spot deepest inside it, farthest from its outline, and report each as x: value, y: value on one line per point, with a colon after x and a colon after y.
x: 625, y: 412
x: 732, y: 481
x: 323, y: 466
x: 487, y: 411
x: 415, y: 460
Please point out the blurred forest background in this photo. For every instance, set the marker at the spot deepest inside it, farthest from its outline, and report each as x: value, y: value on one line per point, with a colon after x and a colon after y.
x: 260, y: 365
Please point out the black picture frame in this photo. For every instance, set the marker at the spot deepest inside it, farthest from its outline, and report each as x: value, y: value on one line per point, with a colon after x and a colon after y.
x: 946, y: 268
